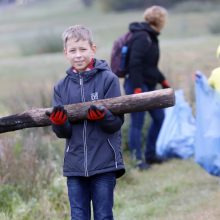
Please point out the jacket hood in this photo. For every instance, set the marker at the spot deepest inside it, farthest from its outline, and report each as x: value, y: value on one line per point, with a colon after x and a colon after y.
x: 142, y: 26
x: 100, y: 65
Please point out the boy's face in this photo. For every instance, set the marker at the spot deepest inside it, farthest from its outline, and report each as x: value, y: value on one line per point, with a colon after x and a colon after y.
x: 79, y: 53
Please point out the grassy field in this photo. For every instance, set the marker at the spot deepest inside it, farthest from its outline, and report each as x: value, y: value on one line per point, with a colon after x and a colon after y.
x: 177, y: 189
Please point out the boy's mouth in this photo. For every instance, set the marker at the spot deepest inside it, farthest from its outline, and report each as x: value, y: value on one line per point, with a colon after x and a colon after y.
x: 79, y: 62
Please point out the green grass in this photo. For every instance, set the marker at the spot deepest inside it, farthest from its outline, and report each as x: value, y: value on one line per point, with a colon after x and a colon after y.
x: 176, y: 190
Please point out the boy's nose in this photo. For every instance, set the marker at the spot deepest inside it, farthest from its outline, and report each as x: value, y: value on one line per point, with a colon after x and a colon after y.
x: 78, y: 54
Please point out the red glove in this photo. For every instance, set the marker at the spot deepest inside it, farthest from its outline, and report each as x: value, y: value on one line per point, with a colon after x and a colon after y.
x: 58, y: 116
x: 96, y: 112
x: 165, y: 84
x: 137, y: 90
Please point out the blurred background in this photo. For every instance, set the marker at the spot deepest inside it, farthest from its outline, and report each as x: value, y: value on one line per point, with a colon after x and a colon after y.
x: 31, y: 61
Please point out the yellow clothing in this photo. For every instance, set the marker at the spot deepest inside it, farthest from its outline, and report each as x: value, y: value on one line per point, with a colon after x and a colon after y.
x: 214, y: 79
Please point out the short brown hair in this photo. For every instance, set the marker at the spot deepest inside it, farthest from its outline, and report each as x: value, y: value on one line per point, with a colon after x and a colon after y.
x: 79, y: 32
x: 156, y: 16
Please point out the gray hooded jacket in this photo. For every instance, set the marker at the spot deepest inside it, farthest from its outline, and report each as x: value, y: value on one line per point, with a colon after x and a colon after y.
x: 92, y: 147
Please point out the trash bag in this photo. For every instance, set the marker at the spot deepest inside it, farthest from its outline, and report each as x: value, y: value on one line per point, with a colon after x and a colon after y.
x: 207, y: 139
x: 177, y: 135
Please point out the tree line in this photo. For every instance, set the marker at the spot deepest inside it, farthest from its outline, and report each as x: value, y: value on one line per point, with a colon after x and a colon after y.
x: 116, y: 5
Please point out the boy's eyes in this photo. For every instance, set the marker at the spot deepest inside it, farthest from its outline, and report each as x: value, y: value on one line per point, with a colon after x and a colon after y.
x: 80, y: 49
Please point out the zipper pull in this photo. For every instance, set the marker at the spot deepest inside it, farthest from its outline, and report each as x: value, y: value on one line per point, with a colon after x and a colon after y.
x: 80, y: 81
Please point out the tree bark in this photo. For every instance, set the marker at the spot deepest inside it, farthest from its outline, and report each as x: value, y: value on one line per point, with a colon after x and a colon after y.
x: 120, y: 105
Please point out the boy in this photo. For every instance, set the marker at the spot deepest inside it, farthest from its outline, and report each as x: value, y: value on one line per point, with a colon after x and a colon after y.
x: 92, y: 158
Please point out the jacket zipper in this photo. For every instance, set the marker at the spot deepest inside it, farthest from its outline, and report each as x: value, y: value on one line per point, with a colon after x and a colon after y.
x: 116, y: 163
x: 84, y: 129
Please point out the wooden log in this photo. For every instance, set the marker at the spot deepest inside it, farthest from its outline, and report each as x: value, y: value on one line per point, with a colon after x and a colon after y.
x: 120, y: 105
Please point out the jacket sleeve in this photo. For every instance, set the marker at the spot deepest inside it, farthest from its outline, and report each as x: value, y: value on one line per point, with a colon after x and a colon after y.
x: 61, y: 131
x: 214, y: 79
x: 138, y: 49
x: 161, y: 77
x: 112, y: 123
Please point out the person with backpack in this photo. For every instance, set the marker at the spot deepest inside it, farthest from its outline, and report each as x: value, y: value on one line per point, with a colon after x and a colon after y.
x: 142, y: 75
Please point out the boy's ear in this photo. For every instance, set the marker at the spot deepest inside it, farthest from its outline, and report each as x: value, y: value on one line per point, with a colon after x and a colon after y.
x: 94, y: 48
x: 64, y: 51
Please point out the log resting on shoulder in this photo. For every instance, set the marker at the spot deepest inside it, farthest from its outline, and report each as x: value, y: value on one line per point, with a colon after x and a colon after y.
x: 119, y: 105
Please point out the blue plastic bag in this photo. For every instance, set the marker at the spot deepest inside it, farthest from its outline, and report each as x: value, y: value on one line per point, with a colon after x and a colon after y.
x: 177, y: 135
x: 207, y: 140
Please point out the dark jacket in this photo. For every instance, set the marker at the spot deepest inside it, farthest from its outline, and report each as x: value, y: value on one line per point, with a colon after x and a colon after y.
x: 92, y: 147
x: 144, y: 56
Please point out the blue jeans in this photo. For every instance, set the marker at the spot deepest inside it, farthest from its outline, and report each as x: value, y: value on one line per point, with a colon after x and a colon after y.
x: 99, y: 189
x: 136, y: 125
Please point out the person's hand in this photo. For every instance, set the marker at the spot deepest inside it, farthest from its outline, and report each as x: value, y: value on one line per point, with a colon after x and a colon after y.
x: 58, y: 116
x: 137, y: 90
x: 165, y: 84
x: 95, y: 113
